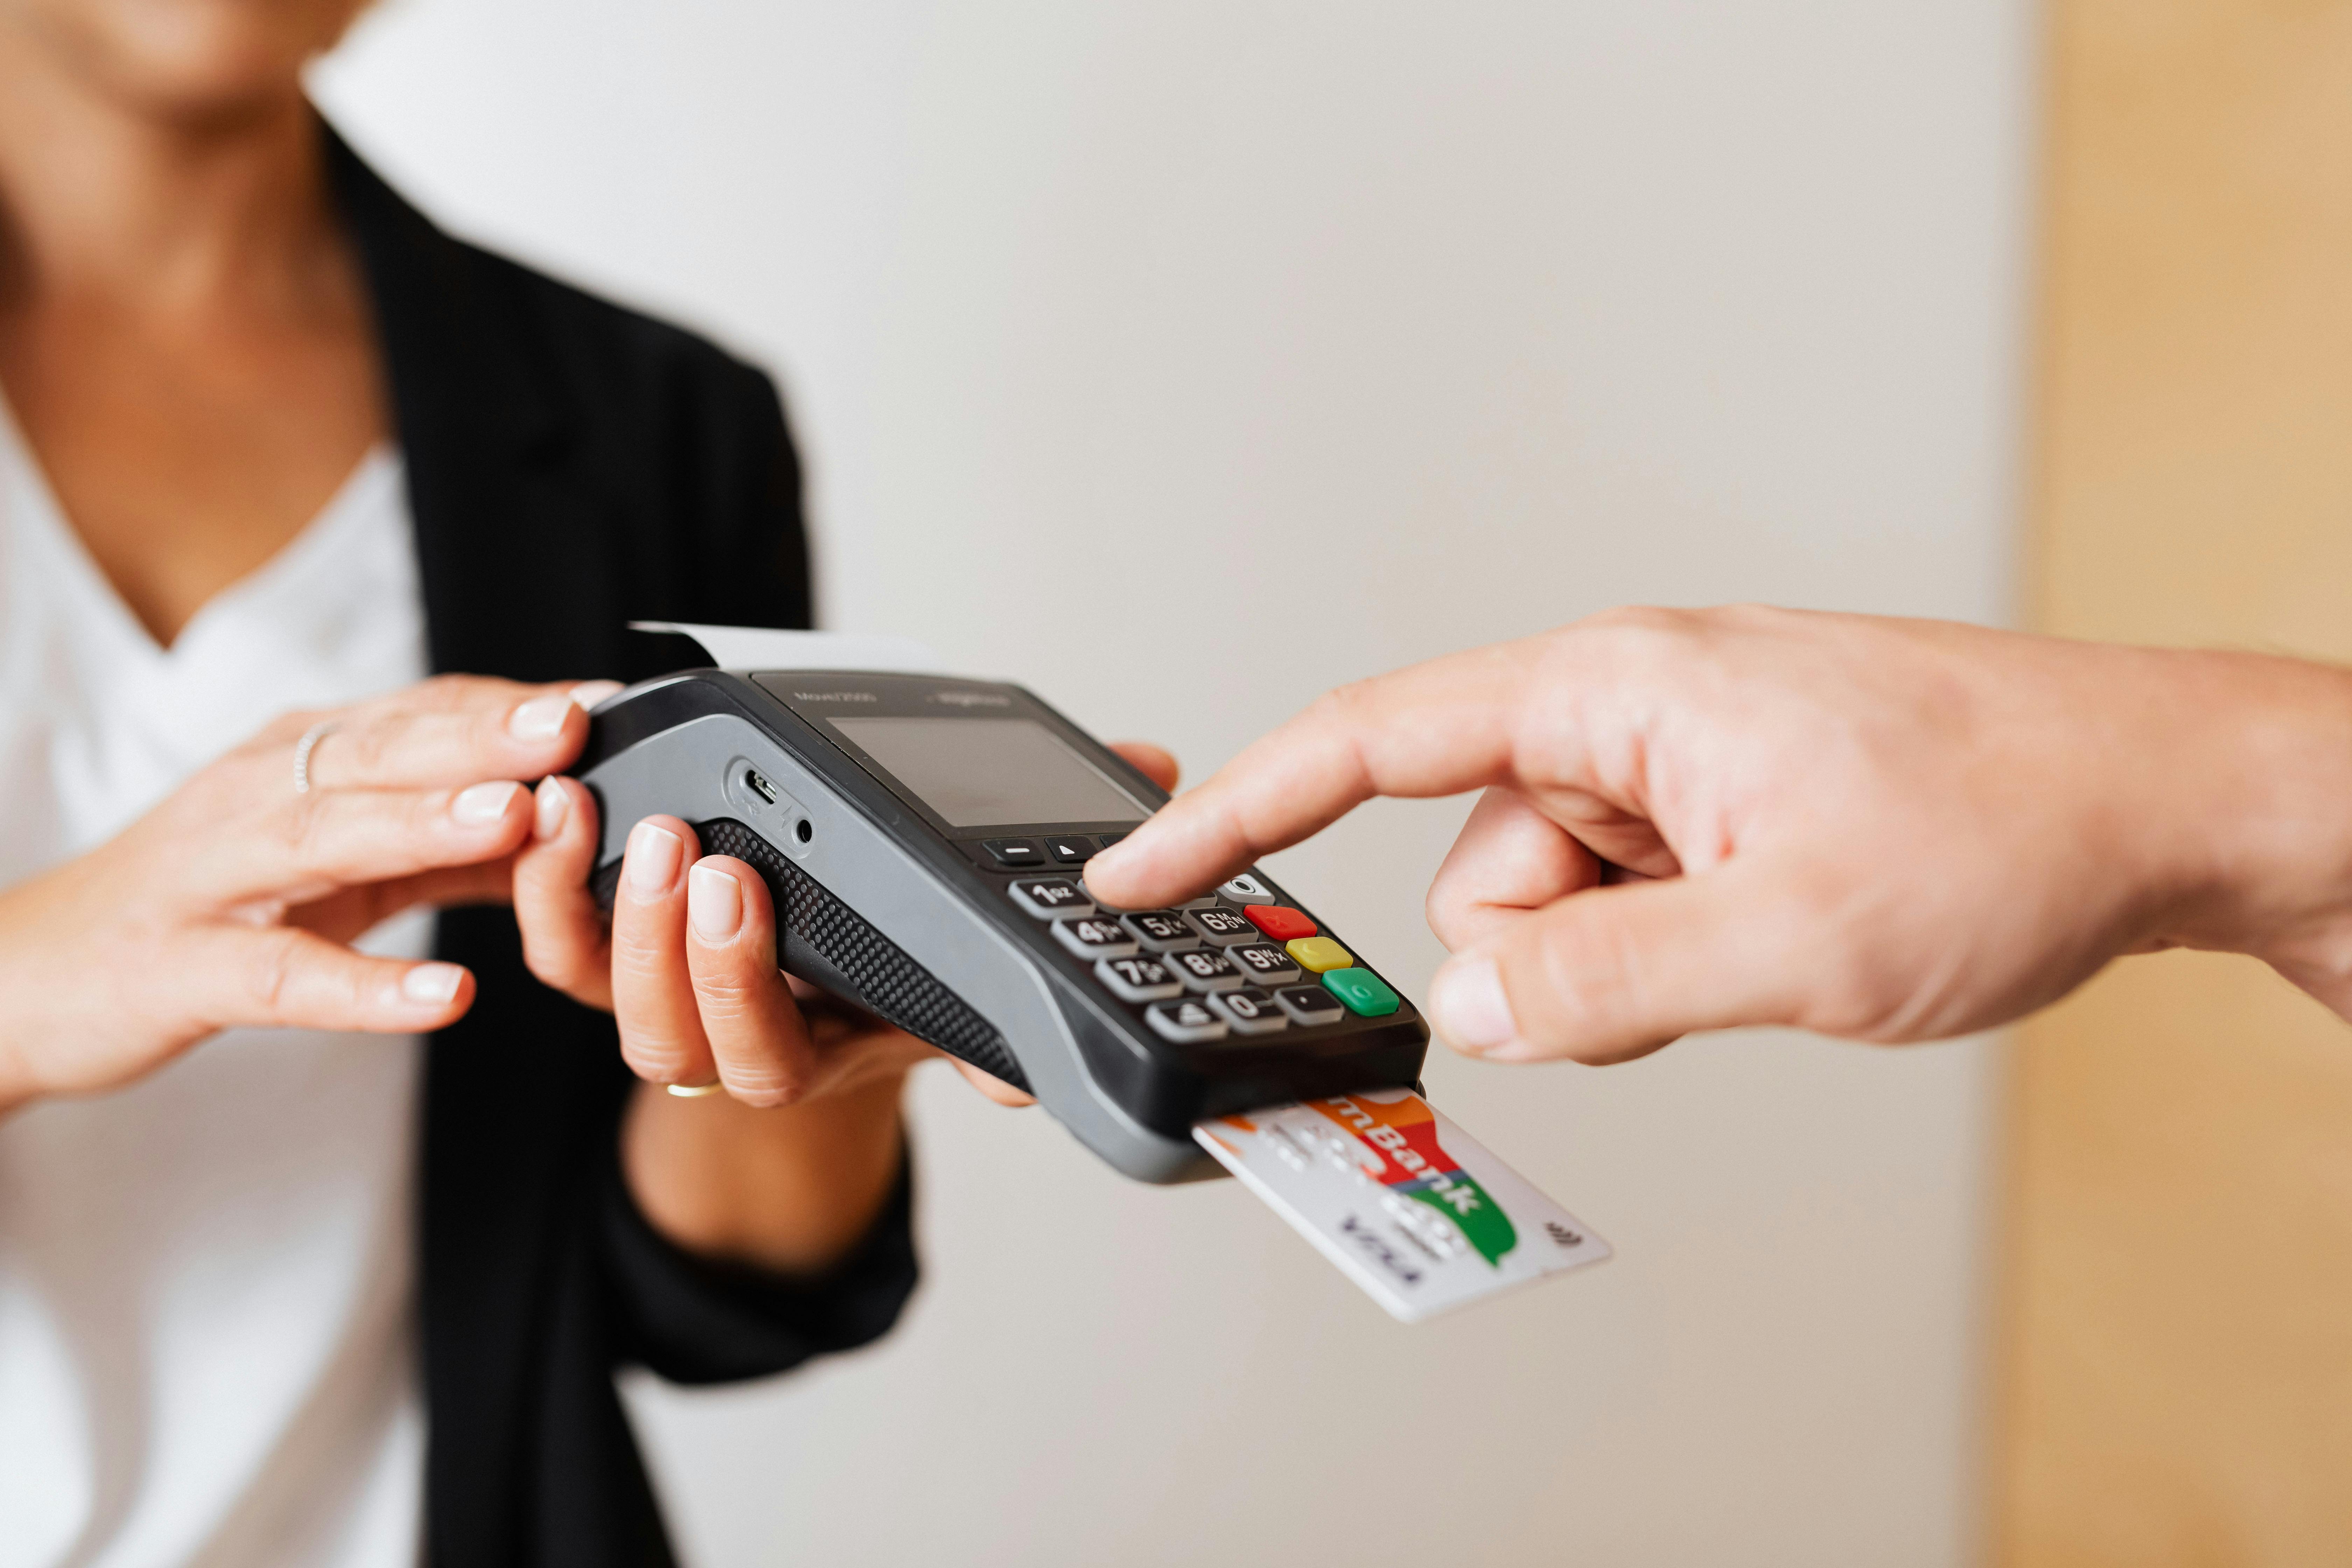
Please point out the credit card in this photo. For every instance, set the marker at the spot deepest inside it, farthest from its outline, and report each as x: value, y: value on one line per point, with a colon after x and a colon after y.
x: 1408, y: 1206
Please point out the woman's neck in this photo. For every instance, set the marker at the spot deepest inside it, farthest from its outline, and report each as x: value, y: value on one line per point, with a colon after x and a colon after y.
x: 184, y: 331
x: 105, y: 201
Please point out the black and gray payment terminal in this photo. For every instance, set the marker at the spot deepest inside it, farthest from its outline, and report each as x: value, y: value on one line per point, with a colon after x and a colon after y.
x: 923, y: 838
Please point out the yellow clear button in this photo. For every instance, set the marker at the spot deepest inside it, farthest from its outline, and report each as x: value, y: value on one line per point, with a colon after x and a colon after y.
x: 1317, y: 954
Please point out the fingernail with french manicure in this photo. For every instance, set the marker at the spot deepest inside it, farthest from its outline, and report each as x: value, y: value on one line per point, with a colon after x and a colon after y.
x: 483, y: 805
x: 1467, y: 1004
x: 589, y: 694
x: 714, y: 904
x: 540, y: 719
x: 432, y: 984
x: 651, y: 860
x: 552, y: 806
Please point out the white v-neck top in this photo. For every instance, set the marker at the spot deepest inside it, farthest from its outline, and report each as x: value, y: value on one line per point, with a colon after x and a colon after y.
x: 205, y: 1278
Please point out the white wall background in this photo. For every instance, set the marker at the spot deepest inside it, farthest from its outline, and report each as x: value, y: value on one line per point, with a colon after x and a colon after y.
x: 1183, y: 357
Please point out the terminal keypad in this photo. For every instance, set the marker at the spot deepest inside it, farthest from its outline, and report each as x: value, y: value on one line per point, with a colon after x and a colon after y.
x: 1015, y: 851
x: 1237, y: 964
x: 1280, y: 922
x: 1187, y: 1021
x: 1246, y: 888
x: 1310, y: 1004
x: 1096, y: 936
x: 1051, y: 898
x: 1137, y: 979
x: 1222, y: 927
x: 1264, y: 964
x: 1205, y: 969
x: 1160, y: 931
x: 1250, y: 1011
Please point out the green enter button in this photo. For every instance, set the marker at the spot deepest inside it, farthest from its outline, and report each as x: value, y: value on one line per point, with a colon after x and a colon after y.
x: 1366, y: 994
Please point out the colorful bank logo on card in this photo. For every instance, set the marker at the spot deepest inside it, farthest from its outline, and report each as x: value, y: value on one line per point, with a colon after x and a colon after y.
x: 1407, y: 1160
x: 1406, y: 1203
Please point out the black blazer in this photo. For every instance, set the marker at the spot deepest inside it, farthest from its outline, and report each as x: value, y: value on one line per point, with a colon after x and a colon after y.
x: 571, y: 465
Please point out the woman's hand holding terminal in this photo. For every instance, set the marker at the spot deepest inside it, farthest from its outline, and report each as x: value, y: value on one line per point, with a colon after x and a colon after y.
x: 1881, y: 829
x: 688, y: 966
x: 687, y: 963
x: 234, y: 901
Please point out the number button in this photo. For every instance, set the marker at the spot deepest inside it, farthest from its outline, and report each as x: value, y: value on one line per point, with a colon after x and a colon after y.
x: 1264, y: 963
x: 1223, y: 928
x: 1249, y: 1012
x: 1051, y: 898
x: 1319, y: 953
x: 1160, y: 931
x: 1205, y: 969
x: 1280, y: 922
x: 1246, y: 888
x: 1186, y: 1022
x: 1310, y: 1004
x: 1096, y: 937
x: 1366, y: 994
x: 1137, y: 979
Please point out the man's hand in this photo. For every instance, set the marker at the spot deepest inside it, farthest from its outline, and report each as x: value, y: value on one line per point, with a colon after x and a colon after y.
x: 1886, y: 830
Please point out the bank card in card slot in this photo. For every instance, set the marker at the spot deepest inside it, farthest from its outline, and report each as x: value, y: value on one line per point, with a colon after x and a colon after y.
x: 1406, y: 1203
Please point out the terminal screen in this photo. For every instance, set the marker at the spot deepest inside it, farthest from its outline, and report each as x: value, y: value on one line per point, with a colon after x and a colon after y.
x: 991, y: 773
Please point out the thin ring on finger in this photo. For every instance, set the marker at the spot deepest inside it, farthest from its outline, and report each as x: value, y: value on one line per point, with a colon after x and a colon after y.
x: 302, y: 750
x: 695, y: 1090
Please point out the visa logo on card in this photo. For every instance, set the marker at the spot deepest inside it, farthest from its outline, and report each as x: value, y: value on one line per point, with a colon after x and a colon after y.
x: 1410, y: 1206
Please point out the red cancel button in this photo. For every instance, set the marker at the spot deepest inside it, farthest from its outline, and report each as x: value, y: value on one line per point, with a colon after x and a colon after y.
x: 1281, y: 924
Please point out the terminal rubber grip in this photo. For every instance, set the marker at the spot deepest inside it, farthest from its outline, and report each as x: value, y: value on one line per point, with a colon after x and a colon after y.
x: 825, y: 942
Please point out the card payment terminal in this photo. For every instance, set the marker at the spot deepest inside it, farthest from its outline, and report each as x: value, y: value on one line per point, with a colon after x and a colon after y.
x: 923, y: 838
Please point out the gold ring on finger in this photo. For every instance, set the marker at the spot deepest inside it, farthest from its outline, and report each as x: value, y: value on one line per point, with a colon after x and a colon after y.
x: 694, y: 1090
x: 302, y: 750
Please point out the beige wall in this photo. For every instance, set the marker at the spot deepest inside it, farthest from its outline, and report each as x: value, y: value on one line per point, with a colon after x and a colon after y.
x: 2179, y: 1299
